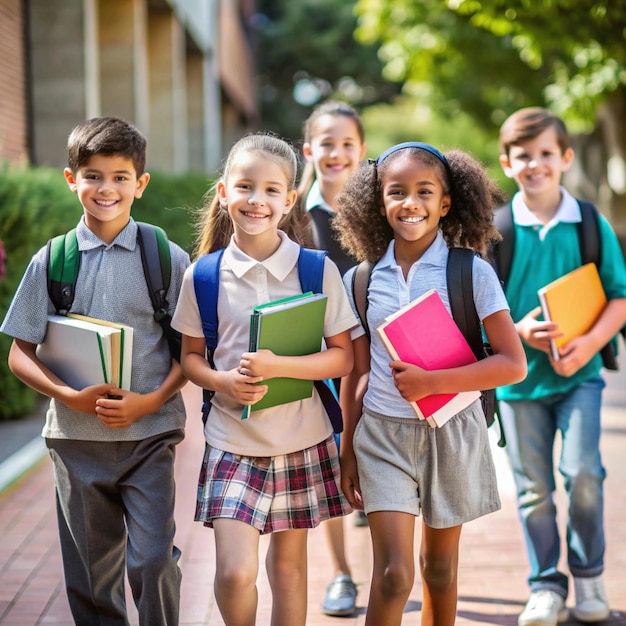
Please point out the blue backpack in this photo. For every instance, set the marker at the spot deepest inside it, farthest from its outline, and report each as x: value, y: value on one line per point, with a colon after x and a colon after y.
x: 206, y: 280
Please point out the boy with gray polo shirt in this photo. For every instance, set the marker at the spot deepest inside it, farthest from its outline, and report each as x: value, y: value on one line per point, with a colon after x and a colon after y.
x: 112, y: 450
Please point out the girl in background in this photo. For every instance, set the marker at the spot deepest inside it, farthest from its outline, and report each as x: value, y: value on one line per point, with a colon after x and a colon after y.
x: 334, y: 144
x: 402, y: 212
x: 278, y: 471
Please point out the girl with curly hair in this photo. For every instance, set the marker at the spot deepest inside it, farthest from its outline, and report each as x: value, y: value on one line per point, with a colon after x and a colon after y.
x: 402, y: 212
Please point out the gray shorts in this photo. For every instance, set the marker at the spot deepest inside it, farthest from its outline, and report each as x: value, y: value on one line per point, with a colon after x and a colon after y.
x: 447, y: 473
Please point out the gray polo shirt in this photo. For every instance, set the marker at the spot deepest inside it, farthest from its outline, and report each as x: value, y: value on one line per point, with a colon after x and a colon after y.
x: 389, y: 292
x: 111, y: 286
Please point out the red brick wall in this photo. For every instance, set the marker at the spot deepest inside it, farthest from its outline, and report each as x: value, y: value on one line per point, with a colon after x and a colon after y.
x: 13, y: 113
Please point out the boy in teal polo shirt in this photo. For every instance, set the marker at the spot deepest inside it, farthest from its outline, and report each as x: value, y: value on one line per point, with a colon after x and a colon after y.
x: 563, y: 395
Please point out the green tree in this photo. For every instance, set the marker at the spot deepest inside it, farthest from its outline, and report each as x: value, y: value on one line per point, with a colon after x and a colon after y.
x: 307, y: 53
x: 489, y: 57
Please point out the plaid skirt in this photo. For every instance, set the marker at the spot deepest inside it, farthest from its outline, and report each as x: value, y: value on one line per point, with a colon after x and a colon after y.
x: 285, y: 492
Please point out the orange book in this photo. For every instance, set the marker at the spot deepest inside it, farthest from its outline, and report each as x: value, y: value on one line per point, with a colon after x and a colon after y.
x: 423, y: 333
x: 574, y: 301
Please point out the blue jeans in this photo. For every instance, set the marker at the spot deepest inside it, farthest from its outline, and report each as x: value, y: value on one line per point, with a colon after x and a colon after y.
x: 530, y: 427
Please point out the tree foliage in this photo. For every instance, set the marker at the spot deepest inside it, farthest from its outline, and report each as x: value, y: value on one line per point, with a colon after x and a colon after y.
x: 506, y: 53
x: 307, y: 51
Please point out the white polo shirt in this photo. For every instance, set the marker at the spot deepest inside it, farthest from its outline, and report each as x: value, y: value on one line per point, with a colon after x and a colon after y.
x: 389, y: 292
x: 245, y: 283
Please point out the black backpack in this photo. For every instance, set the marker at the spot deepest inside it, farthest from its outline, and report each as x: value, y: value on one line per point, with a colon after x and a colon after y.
x: 63, y: 262
x: 589, y: 240
x: 461, y: 296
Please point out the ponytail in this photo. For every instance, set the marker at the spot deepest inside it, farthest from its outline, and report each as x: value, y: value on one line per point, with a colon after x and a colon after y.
x: 215, y: 227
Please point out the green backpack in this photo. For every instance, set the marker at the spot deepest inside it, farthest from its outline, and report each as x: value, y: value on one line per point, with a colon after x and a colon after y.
x: 63, y: 261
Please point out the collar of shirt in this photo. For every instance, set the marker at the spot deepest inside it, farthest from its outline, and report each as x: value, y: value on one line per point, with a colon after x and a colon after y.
x: 315, y: 199
x: 567, y: 211
x: 278, y: 265
x: 88, y: 240
x: 436, y: 254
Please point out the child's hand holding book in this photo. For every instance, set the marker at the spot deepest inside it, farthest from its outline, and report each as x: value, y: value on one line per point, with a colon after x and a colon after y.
x: 411, y: 380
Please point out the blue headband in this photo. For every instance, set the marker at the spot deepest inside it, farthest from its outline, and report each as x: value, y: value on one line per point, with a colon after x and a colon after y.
x: 411, y: 144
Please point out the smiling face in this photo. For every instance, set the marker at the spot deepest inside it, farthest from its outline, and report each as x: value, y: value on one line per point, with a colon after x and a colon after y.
x: 106, y: 187
x: 257, y: 195
x: 537, y: 165
x: 335, y: 150
x: 413, y: 200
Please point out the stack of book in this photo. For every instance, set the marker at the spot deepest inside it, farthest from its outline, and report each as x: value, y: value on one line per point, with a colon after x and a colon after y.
x: 84, y: 351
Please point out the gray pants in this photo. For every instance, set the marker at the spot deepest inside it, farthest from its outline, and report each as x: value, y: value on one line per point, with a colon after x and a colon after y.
x: 115, y: 507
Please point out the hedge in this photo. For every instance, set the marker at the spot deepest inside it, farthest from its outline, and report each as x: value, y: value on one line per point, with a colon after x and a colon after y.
x: 36, y: 204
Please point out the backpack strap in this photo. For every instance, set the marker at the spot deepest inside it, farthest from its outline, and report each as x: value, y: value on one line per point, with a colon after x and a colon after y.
x: 157, y: 270
x: 63, y: 262
x: 360, y: 284
x: 590, y: 244
x: 461, y: 296
x: 311, y: 275
x: 157, y: 265
x: 463, y: 308
x: 311, y: 269
x: 206, y: 282
x: 501, y: 254
x: 589, y: 234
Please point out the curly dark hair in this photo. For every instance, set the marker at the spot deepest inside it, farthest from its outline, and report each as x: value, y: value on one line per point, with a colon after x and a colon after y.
x: 365, y: 233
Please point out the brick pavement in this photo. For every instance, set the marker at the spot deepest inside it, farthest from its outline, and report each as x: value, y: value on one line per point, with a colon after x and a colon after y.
x: 492, y: 569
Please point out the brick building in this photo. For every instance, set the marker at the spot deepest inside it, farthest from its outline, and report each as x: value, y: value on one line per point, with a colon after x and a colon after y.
x: 180, y: 70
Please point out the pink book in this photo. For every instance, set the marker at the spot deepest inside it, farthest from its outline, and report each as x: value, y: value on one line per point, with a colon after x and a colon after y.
x: 423, y: 333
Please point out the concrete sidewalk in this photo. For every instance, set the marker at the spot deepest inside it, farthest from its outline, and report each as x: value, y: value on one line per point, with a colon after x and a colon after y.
x: 492, y: 571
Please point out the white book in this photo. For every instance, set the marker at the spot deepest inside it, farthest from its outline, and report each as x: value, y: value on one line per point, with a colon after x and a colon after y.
x: 121, y: 348
x: 85, y: 351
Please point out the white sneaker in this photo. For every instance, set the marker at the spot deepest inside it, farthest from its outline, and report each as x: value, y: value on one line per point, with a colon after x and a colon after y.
x: 591, y: 602
x: 544, y: 608
x: 340, y: 598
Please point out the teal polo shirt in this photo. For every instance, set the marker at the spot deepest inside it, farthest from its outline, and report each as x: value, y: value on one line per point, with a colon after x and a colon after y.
x: 542, y: 254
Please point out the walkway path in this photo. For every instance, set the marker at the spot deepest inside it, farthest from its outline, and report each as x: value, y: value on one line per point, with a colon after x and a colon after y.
x: 492, y: 571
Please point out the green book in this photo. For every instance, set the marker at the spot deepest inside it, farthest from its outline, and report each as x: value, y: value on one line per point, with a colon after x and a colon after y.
x: 289, y: 327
